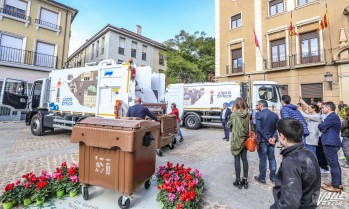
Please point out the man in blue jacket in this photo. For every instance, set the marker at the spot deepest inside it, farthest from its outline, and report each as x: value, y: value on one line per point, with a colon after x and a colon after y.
x: 290, y: 110
x: 266, y: 130
x: 138, y: 110
x: 331, y: 143
x: 224, y: 117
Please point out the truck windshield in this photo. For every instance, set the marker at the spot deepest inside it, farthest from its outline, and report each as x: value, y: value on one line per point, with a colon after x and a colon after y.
x: 267, y: 93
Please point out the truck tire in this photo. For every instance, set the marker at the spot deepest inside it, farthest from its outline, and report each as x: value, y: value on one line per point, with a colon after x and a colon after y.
x: 36, y: 125
x: 192, y: 122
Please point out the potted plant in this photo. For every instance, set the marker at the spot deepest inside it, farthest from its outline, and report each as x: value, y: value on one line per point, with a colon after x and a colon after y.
x: 179, y: 188
x: 28, y: 188
x: 73, y: 184
x: 9, y: 197
x: 41, y: 191
x: 59, y: 184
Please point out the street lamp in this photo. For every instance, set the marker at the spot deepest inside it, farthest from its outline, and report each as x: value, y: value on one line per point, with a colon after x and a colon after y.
x: 329, y: 79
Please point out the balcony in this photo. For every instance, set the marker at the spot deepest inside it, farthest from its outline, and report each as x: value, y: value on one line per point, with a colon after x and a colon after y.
x: 278, y: 63
x: 47, y: 25
x: 310, y: 58
x: 14, y: 15
x: 19, y: 56
x: 235, y: 70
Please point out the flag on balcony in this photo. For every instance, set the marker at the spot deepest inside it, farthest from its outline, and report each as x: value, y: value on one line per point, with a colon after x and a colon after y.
x: 256, y: 40
x: 291, y: 30
x: 324, y: 22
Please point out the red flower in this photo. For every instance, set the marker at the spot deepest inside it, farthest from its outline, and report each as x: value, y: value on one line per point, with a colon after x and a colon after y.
x: 72, y: 171
x: 33, y: 179
x: 64, y: 164
x: 41, y: 185
x: 18, y: 182
x: 27, y: 185
x: 9, y: 187
x: 169, y: 165
x: 59, y: 177
x: 179, y: 206
x: 42, y: 178
x: 58, y: 170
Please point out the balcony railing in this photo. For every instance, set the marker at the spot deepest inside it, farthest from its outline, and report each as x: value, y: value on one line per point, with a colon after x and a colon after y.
x: 48, y: 24
x: 14, y: 14
x: 20, y: 56
x: 310, y: 57
x: 277, y: 62
x: 231, y: 69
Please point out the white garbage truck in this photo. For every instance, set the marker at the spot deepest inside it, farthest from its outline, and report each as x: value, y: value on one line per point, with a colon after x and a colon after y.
x: 200, y: 104
x: 70, y: 95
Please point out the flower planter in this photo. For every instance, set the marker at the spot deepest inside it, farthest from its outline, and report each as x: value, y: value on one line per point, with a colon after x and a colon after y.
x: 60, y: 194
x: 72, y: 194
x: 27, y: 202
x: 40, y: 201
x: 7, y: 205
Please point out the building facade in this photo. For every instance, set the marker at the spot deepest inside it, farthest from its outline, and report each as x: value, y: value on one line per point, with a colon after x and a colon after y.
x: 120, y: 44
x: 34, y: 37
x: 306, y: 62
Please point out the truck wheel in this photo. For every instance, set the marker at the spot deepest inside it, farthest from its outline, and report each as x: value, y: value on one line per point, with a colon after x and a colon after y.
x: 126, y: 203
x: 159, y: 152
x: 192, y: 122
x: 36, y: 125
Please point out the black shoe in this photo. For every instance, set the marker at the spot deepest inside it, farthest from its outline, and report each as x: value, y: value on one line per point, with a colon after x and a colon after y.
x: 174, y: 141
x: 227, y: 140
x: 237, y: 183
x: 272, y: 180
x: 259, y: 180
x: 181, y: 139
x: 244, y: 183
x: 224, y: 138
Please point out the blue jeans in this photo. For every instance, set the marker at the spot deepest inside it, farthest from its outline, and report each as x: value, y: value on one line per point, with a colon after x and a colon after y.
x: 226, y: 129
x: 179, y: 133
x: 331, y: 154
x: 312, y: 148
x: 266, y: 150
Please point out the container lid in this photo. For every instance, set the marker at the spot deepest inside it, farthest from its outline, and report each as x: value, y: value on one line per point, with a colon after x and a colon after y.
x: 126, y: 122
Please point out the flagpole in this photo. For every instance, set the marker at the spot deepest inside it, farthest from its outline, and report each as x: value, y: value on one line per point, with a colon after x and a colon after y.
x: 260, y: 51
x: 329, y: 31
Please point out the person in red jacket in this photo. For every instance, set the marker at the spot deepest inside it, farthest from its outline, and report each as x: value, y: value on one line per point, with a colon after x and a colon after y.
x: 176, y: 112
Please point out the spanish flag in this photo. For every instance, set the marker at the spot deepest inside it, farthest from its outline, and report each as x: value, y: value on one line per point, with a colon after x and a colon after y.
x: 324, y: 22
x: 291, y: 30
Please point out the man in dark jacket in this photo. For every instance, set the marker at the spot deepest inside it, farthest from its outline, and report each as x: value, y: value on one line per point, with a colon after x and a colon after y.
x: 224, y: 117
x: 290, y: 110
x: 138, y: 110
x: 297, y: 184
x: 266, y: 130
x: 331, y: 143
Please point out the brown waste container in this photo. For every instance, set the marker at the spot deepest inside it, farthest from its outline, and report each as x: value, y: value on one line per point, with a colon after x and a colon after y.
x: 117, y: 154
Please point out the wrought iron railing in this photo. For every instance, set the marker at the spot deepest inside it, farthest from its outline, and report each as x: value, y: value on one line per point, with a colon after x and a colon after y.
x: 277, y: 62
x: 20, y: 56
x: 235, y: 69
x: 310, y: 57
x: 48, y: 24
x: 14, y: 14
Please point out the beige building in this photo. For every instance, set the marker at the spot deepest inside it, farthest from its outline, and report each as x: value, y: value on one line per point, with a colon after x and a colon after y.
x: 34, y: 37
x: 120, y: 44
x: 298, y: 63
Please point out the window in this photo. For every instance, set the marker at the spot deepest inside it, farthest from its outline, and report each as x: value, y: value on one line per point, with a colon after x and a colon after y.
x: 48, y: 19
x: 134, y: 49
x: 302, y: 2
x: 236, y: 61
x: 161, y: 59
x: 310, y: 48
x: 87, y: 76
x: 236, y: 21
x: 44, y: 54
x: 278, y: 53
x: 97, y: 48
x: 10, y: 48
x: 312, y: 93
x: 268, y: 93
x: 15, y: 8
x: 283, y: 90
x: 276, y: 6
x: 93, y: 51
x: 102, y: 45
x: 122, y: 46
x: 144, y: 53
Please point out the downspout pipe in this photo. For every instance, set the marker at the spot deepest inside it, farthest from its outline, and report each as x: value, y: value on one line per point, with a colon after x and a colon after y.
x: 65, y: 33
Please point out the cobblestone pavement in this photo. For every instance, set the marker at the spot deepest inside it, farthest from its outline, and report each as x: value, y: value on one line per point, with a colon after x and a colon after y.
x: 21, y: 152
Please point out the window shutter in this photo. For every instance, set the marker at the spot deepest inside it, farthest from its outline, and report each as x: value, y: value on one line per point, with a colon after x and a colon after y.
x: 313, y: 90
x: 122, y: 42
x: 144, y: 49
x: 49, y: 16
x: 18, y: 4
x: 10, y: 41
x: 134, y: 45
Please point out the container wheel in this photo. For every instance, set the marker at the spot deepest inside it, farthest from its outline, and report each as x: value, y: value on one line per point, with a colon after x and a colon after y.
x: 85, y: 192
x: 124, y: 202
x: 147, y: 184
x: 171, y: 146
x: 36, y: 125
x: 159, y: 152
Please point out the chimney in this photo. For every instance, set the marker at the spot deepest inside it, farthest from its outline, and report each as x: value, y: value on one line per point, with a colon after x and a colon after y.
x: 139, y: 29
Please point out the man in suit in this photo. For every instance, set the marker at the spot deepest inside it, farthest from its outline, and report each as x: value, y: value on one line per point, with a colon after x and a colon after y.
x: 266, y: 135
x: 331, y: 143
x: 138, y: 110
x: 224, y: 117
